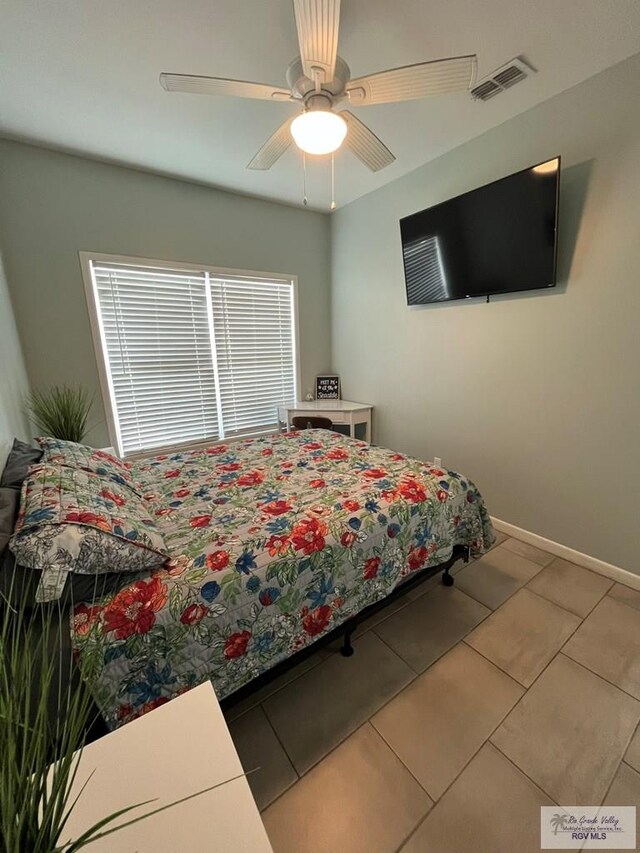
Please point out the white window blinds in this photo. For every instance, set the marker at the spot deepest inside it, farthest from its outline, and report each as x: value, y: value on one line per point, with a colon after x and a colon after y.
x: 190, y: 356
x: 254, y: 341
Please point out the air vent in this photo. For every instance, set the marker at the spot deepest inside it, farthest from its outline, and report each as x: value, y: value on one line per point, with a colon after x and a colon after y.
x: 486, y: 90
x: 502, y: 78
x: 510, y: 76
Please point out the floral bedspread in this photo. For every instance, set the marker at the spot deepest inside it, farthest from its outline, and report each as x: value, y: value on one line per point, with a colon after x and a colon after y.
x: 274, y: 542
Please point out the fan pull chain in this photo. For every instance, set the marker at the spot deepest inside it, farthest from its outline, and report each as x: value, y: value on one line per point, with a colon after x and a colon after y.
x: 304, y: 179
x: 333, y: 183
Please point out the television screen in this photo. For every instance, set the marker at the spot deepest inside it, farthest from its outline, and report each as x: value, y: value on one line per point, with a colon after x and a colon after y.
x: 497, y: 239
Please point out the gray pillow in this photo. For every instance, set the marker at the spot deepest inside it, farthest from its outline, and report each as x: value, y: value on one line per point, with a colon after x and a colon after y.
x: 21, y: 456
x: 9, y: 503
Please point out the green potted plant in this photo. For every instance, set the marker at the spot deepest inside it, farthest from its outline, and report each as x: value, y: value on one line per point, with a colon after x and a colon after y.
x: 61, y: 412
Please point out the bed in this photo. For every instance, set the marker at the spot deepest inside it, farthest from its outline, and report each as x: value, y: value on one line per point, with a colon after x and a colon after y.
x: 274, y: 542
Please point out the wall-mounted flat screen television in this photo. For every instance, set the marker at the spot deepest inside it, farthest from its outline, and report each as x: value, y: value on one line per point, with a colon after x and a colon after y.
x: 499, y: 238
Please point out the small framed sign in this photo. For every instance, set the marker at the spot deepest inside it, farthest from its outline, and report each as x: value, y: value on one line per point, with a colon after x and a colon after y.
x: 328, y: 387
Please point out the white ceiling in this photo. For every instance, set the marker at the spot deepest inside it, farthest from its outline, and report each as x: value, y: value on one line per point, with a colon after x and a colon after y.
x: 82, y: 75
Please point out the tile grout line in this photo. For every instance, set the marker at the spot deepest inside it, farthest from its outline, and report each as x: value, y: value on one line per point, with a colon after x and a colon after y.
x: 284, y: 749
x: 520, y: 770
x: 259, y: 702
x: 591, y: 609
x: 553, y: 657
x: 317, y: 763
x: 399, y: 656
x: 349, y: 734
x: 436, y: 800
x: 555, y: 603
x: 597, y: 675
x: 435, y: 660
x: 504, y: 671
x: 545, y: 668
x: 613, y: 777
x: 485, y: 741
x: 516, y: 590
x: 388, y: 615
x: 408, y: 769
x: 618, y: 600
x: 517, y: 553
x: 635, y: 732
x: 620, y: 583
x: 515, y: 705
x: 497, y: 665
x: 541, y: 568
x: 560, y: 650
x: 414, y: 830
x: 467, y: 763
x: 463, y: 639
x: 282, y: 746
x: 558, y: 653
x: 417, y: 781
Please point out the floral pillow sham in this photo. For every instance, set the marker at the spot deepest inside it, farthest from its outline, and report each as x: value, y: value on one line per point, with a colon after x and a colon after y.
x: 73, y: 455
x: 71, y: 520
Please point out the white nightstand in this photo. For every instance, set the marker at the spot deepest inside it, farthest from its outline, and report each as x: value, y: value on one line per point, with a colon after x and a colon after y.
x: 338, y: 411
x: 179, y: 749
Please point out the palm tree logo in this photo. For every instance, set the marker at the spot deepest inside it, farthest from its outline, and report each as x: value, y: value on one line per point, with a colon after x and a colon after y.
x: 557, y: 822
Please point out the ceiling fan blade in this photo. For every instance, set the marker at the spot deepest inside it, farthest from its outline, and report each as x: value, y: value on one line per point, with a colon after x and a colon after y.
x: 440, y: 77
x: 273, y: 148
x: 365, y: 144
x: 197, y: 85
x: 317, y: 22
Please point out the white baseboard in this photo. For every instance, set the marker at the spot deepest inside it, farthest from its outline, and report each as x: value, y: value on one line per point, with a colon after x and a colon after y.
x: 615, y: 573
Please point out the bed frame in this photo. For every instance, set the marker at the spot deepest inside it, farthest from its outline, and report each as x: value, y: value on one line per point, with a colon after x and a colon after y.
x: 346, y: 630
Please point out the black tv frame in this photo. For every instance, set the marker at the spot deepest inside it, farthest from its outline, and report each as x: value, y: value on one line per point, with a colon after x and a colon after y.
x: 486, y: 295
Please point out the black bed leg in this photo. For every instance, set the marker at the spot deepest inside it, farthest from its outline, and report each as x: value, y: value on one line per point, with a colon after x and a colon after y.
x: 447, y: 579
x: 347, y: 649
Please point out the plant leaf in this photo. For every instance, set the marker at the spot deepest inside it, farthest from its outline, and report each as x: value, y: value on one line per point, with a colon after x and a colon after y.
x: 87, y: 838
x: 61, y: 411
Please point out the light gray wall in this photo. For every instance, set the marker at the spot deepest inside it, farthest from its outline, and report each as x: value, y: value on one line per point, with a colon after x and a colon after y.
x: 13, y: 377
x: 52, y: 205
x: 536, y: 397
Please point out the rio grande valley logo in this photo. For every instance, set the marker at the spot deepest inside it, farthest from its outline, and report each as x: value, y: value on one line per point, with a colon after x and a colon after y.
x: 599, y: 827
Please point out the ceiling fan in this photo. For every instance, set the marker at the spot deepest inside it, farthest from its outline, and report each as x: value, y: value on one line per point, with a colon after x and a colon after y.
x: 320, y: 81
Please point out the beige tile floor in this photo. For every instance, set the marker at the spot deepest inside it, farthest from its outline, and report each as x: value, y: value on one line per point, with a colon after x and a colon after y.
x: 463, y: 710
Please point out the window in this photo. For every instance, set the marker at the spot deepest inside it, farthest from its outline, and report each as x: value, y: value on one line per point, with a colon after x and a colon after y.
x: 189, y: 354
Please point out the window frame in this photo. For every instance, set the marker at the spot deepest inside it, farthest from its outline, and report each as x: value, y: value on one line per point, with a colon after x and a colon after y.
x: 99, y: 341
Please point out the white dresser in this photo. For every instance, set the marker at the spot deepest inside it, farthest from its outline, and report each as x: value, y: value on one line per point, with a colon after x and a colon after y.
x: 338, y: 411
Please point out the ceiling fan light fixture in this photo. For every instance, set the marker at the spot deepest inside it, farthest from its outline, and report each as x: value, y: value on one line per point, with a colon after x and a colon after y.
x: 318, y: 79
x: 318, y: 131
